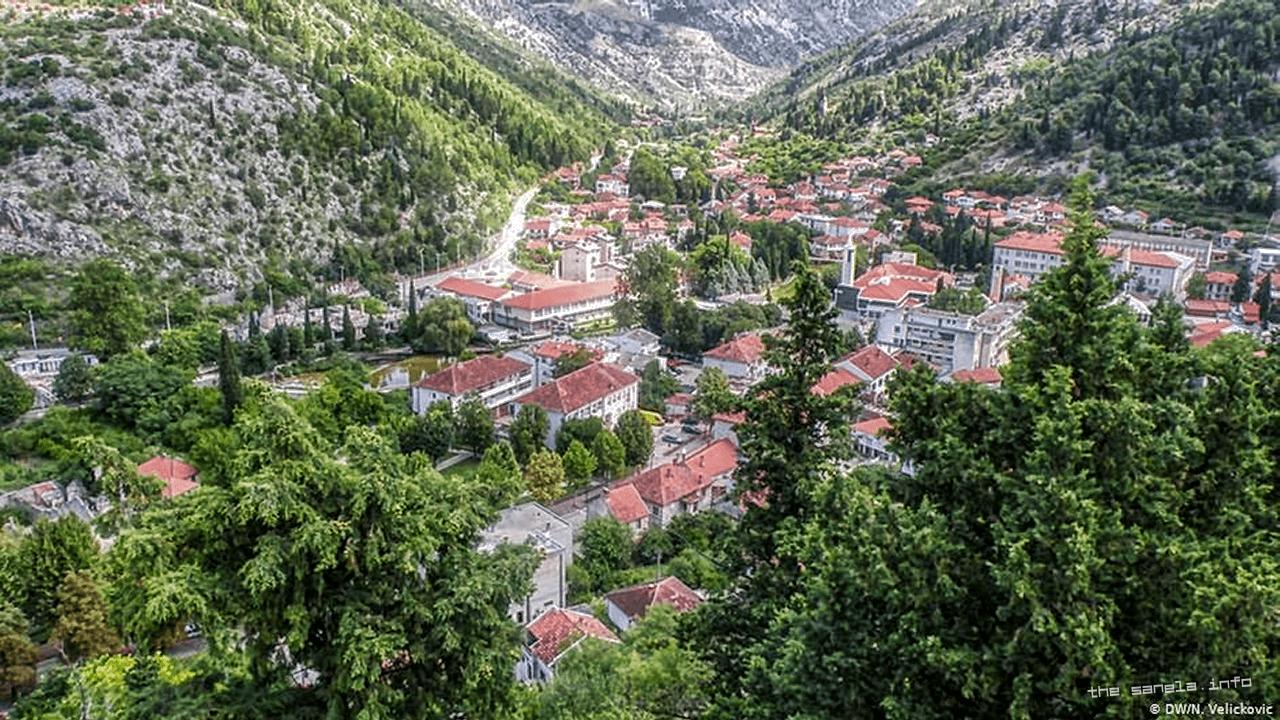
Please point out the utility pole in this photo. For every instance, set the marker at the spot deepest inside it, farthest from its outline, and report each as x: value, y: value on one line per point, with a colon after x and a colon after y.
x: 167, y: 326
x: 31, y: 323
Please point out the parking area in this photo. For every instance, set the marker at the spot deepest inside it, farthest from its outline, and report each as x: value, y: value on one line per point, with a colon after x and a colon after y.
x: 670, y: 439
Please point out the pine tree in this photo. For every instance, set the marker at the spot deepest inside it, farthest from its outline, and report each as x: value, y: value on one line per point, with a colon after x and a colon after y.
x: 348, y: 330
x: 82, y: 627
x: 1243, y: 284
x: 308, y: 332
x: 75, y: 380
x: 1263, y: 298
x: 229, y: 378
x: 373, y: 336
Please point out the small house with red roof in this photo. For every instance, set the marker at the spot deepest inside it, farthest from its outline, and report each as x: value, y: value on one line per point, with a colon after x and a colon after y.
x: 1218, y: 284
x: 689, y: 485
x: 552, y: 636
x: 870, y: 366
x: 495, y: 380
x: 625, y: 505
x: 179, y: 477
x: 741, y: 358
x: 600, y: 390
x: 627, y: 606
x: 869, y: 437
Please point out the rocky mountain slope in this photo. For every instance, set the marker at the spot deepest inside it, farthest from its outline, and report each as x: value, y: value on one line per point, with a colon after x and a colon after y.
x: 682, y: 53
x: 217, y: 142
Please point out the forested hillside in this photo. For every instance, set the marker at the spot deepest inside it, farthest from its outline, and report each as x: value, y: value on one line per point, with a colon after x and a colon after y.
x: 1175, y: 105
x: 218, y: 141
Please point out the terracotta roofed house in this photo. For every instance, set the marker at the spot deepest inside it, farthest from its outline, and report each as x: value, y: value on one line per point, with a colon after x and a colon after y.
x: 179, y: 477
x: 687, y: 486
x: 496, y: 380
x: 627, y: 507
x: 565, y: 306
x: 551, y: 636
x: 741, y: 357
x: 626, y: 606
x: 598, y: 390
x: 871, y: 366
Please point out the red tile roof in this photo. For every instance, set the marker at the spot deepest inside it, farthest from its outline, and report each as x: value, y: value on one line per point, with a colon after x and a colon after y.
x: 625, y: 504
x: 873, y: 427
x: 636, y: 600
x: 1207, y: 308
x: 470, y: 288
x: 473, y: 374
x: 982, y: 376
x: 565, y: 295
x: 555, y: 349
x: 732, y: 418
x: 833, y: 381
x: 871, y: 361
x: 1218, y: 277
x: 1050, y: 243
x: 580, y: 388
x: 1202, y: 335
x: 665, y: 484
x: 746, y: 349
x: 179, y: 477
x: 557, y: 630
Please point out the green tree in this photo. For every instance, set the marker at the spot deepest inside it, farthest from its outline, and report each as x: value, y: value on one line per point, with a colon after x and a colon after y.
x: 528, y: 432
x: 656, y: 385
x: 128, y: 385
x: 17, y: 653
x: 579, y: 464
x: 107, y: 315
x: 373, y: 335
x: 1242, y: 287
x: 712, y: 394
x: 584, y: 430
x: 605, y: 548
x: 348, y: 330
x: 1263, y: 298
x: 636, y: 437
x: 649, y: 289
x: 229, y: 378
x: 431, y: 433
x: 544, y: 475
x: 16, y: 397
x: 500, y: 471
x: 475, y: 424
x: 82, y: 627
x: 75, y: 380
x: 442, y: 328
x: 54, y: 548
x: 611, y: 457
x: 575, y: 360
x: 351, y: 556
x: 1197, y: 286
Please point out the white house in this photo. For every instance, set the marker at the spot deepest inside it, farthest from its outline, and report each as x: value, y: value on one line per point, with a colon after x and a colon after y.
x: 477, y: 297
x: 871, y: 366
x: 952, y: 341
x: 689, y: 485
x: 598, y: 390
x: 553, y: 635
x: 495, y: 380
x: 741, y: 358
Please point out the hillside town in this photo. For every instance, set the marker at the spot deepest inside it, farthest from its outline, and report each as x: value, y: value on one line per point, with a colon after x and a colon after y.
x: 933, y: 282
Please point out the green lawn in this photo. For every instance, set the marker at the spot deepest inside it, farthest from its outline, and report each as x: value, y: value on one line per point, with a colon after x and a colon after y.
x: 464, y: 469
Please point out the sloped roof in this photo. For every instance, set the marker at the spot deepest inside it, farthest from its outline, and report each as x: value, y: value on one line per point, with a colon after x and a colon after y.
x: 871, y: 361
x: 473, y: 374
x: 564, y: 295
x: 580, y: 387
x: 470, y: 288
x: 636, y: 600
x: 557, y: 630
x: 746, y: 349
x: 178, y: 477
x: 625, y: 504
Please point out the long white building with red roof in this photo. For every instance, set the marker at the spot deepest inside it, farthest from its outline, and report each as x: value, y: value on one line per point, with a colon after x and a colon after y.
x: 556, y: 308
x: 495, y: 380
x: 1032, y: 255
x: 598, y: 390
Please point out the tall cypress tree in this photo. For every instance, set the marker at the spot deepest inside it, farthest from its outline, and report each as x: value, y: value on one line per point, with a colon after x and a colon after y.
x: 348, y: 330
x: 229, y: 378
x: 308, y: 332
x: 1263, y: 298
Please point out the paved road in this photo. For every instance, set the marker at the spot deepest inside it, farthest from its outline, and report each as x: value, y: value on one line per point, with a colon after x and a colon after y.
x: 497, y: 264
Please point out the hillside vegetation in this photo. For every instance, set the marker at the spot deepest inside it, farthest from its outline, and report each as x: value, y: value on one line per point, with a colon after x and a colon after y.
x: 333, y: 135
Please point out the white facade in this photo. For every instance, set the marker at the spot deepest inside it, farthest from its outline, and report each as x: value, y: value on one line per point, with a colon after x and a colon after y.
x: 493, y: 395
x: 952, y: 341
x: 1263, y: 260
x: 534, y: 525
x: 578, y: 262
x: 608, y: 408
